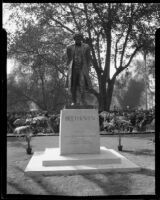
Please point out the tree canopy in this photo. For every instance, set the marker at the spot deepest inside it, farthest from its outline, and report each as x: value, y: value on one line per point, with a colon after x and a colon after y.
x: 115, y: 32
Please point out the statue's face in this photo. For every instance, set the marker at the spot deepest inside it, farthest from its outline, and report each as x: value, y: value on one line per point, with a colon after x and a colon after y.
x: 78, y: 39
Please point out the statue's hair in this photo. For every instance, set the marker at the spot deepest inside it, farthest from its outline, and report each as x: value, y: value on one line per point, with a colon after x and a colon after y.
x: 77, y: 34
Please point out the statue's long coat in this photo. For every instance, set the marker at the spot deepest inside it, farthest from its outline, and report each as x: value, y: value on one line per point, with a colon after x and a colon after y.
x: 86, y: 57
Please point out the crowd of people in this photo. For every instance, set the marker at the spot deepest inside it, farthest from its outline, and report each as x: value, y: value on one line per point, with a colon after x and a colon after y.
x: 110, y: 122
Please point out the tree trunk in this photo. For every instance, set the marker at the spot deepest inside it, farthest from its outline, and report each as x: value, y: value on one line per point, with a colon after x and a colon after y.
x: 105, y: 95
x: 102, y: 99
x: 146, y: 96
x: 102, y: 95
x: 110, y: 93
x: 43, y: 94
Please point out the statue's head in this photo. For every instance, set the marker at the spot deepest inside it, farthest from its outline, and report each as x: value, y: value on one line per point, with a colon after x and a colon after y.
x: 78, y: 37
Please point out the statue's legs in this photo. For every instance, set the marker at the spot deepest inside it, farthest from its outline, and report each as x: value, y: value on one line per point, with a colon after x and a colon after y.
x: 82, y: 89
x: 75, y: 83
x: 74, y: 96
x: 78, y: 85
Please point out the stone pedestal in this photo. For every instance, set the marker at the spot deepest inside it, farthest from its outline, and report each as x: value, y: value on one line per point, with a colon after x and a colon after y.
x: 79, y: 131
x: 50, y: 162
x: 79, y: 149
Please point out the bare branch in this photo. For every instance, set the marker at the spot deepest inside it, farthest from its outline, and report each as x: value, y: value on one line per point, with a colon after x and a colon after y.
x: 125, y: 44
x: 100, y: 16
x: 60, y: 4
x: 93, y: 75
x: 57, y: 21
x: 62, y: 25
x: 94, y: 60
x: 106, y: 74
x: 30, y: 99
x: 75, y: 7
x: 115, y: 58
x: 126, y: 39
x: 51, y: 61
x: 20, y: 52
x: 132, y: 56
x: 73, y: 15
x: 121, y: 68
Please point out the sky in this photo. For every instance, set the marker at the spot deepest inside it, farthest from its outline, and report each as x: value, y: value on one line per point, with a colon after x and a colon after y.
x: 10, y: 65
x: 10, y: 28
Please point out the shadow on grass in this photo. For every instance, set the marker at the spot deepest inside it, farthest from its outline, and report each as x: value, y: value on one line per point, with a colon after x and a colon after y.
x: 144, y: 171
x: 142, y: 152
x: 17, y: 142
x: 115, y: 184
x: 18, y: 188
x: 41, y: 182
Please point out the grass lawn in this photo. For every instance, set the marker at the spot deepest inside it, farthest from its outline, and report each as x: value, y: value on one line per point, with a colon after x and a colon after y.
x: 138, y: 149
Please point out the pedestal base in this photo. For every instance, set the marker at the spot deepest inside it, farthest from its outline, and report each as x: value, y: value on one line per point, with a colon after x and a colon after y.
x: 50, y: 162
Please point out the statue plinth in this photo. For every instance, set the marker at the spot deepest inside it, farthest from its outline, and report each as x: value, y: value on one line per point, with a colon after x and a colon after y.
x: 79, y: 106
x: 79, y: 131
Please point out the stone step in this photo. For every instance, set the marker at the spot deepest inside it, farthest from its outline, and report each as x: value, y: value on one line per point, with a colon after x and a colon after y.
x: 36, y: 168
x: 52, y: 157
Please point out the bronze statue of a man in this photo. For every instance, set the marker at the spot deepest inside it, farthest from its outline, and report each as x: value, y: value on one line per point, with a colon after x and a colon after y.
x: 78, y: 62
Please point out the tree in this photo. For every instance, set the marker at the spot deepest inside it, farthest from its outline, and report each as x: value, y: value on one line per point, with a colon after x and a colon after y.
x: 41, y: 71
x: 15, y: 101
x: 146, y: 70
x: 114, y: 30
x: 41, y: 68
x: 132, y: 96
x: 22, y: 89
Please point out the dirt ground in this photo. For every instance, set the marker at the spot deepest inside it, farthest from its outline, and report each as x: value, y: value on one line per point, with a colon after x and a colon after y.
x: 138, y: 149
